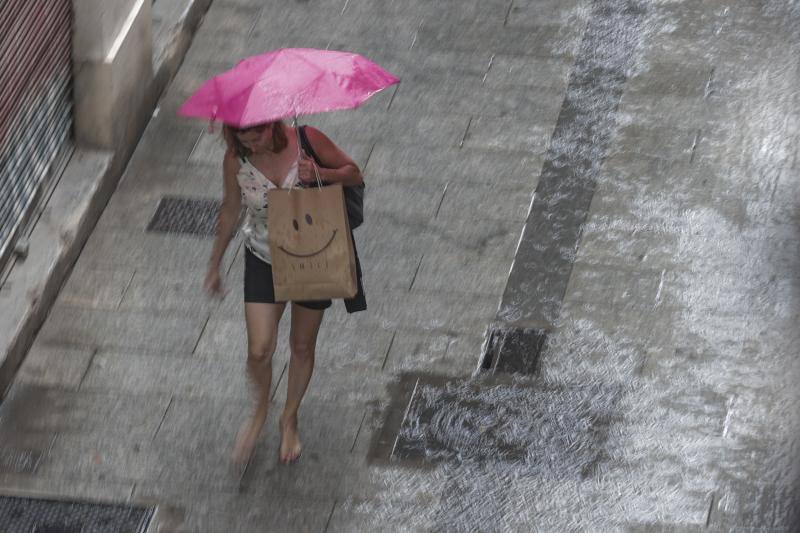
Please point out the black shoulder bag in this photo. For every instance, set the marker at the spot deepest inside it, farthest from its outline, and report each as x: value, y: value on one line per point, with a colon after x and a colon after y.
x: 353, y: 194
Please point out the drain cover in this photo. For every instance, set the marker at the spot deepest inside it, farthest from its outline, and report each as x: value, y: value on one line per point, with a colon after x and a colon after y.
x: 513, y: 350
x: 195, y: 216
x: 556, y: 428
x: 53, y: 516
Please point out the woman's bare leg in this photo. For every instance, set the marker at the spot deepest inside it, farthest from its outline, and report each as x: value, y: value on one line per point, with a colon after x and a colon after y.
x: 262, y: 338
x: 303, y: 341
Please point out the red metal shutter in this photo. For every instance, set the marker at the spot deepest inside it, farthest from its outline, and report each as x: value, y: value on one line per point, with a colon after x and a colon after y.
x: 35, y: 105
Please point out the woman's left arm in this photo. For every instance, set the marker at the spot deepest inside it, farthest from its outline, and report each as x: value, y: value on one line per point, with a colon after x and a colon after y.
x: 339, y: 167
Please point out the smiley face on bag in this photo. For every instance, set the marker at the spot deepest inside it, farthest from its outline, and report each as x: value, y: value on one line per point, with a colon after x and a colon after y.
x: 310, y: 237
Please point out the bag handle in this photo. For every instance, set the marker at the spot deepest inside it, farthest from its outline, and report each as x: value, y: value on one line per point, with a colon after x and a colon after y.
x: 303, y: 145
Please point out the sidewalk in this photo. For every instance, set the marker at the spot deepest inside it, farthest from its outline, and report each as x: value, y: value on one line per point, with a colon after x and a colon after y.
x: 682, y: 295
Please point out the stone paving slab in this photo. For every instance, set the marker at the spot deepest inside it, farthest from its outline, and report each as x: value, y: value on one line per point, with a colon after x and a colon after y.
x: 460, y: 99
x: 437, y: 66
x: 548, y: 40
x: 458, y: 312
x: 23, y: 453
x: 362, y: 515
x: 54, y: 365
x: 525, y: 72
x: 100, y: 289
x: 667, y: 143
x: 464, y: 11
x: 680, y: 79
x: 505, y: 134
x: 532, y: 13
x: 132, y: 330
x: 391, y: 196
x: 491, y: 202
x: 433, y: 129
x: 48, y: 410
x: 157, y: 374
x: 103, y: 491
x: 239, y: 515
x: 458, y: 271
x: 446, y: 164
x: 156, y: 292
x: 438, y: 351
x: 114, y: 249
x: 95, y: 457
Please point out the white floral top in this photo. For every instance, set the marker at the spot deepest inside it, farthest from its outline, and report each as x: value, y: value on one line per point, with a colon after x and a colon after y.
x: 254, y: 186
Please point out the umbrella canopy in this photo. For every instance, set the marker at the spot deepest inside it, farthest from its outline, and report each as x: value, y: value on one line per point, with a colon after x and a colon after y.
x: 286, y: 83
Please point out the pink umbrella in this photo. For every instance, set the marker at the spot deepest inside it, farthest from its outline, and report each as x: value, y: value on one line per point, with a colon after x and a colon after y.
x: 286, y: 83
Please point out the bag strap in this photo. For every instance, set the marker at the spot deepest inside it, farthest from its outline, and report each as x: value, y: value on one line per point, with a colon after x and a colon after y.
x: 305, y: 145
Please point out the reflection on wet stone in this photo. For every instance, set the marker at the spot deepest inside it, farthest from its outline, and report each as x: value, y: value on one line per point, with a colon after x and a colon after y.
x: 555, y: 429
x: 578, y: 147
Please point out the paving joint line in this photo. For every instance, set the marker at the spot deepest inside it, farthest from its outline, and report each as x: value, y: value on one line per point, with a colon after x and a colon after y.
x: 416, y: 33
x: 508, y: 13
x: 386, y: 355
x: 88, y: 367
x: 421, y: 257
x: 441, y: 201
x: 708, y: 90
x: 255, y: 22
x: 278, y: 383
x: 488, y: 68
x: 202, y: 331
x: 466, y: 132
x: 358, y: 432
x: 163, y: 417
x: 125, y: 290
x: 369, y: 155
x: 710, y: 510
x: 328, y: 522
x: 405, y: 416
x: 694, y: 145
x: 196, y: 143
x: 391, y: 100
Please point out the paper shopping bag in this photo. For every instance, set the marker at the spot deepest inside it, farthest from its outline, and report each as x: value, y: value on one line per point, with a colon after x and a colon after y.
x: 310, y: 243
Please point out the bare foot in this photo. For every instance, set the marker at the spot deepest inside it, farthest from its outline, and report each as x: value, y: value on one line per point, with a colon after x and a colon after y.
x: 290, y: 440
x: 247, y: 437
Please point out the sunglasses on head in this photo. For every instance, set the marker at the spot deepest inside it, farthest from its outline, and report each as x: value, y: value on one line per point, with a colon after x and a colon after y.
x: 258, y: 128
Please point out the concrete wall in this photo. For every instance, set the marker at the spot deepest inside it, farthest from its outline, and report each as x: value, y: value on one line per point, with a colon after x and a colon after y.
x: 118, y: 80
x: 113, y: 68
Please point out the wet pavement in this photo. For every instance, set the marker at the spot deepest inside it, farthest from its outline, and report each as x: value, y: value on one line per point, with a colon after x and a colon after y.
x: 605, y: 190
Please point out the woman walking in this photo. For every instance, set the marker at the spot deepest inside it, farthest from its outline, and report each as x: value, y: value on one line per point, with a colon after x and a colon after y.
x: 257, y: 159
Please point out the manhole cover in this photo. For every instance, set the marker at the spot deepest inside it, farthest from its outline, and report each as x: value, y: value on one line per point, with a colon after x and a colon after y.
x: 53, y: 516
x: 556, y: 428
x: 195, y: 216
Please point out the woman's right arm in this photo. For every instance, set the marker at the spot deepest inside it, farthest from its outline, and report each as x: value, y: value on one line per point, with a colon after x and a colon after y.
x: 226, y: 223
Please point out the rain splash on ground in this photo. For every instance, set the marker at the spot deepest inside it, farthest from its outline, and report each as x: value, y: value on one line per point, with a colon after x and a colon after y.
x: 676, y: 403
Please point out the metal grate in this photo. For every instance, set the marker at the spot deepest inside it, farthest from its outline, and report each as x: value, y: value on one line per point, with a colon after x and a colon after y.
x: 195, y: 216
x: 513, y: 350
x: 54, y: 516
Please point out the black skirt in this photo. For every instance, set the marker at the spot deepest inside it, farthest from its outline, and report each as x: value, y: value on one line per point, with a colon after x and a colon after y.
x: 258, y: 286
